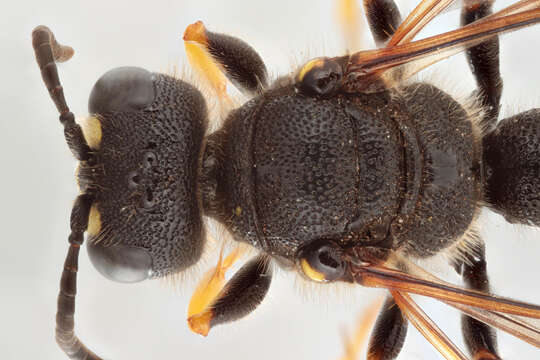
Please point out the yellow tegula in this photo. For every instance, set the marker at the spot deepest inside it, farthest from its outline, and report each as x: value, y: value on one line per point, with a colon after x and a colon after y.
x: 319, y: 62
x: 311, y: 272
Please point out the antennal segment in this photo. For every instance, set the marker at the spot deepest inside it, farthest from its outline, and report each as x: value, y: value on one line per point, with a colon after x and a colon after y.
x: 48, y: 51
x: 65, y: 315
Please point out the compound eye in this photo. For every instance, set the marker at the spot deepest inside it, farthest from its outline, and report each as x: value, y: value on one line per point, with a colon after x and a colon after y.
x: 121, y: 263
x: 124, y: 89
x: 322, y: 261
x: 319, y: 77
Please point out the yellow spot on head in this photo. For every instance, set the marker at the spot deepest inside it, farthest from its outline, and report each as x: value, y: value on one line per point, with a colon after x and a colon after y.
x: 311, y: 272
x: 94, y: 221
x: 318, y: 62
x: 91, y: 128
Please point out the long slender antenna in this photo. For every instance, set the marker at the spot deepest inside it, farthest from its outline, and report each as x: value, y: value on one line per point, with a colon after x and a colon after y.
x: 48, y: 51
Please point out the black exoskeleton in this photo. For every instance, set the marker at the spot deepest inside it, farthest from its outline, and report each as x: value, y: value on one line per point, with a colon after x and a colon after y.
x: 310, y: 172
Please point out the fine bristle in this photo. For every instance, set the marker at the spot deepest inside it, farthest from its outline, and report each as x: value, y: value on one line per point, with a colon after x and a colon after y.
x: 217, y: 239
x: 218, y: 108
x: 467, y: 245
x: 346, y: 294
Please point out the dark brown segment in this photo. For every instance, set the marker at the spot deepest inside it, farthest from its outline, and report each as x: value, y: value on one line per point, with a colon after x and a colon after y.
x: 389, y: 333
x: 512, y: 168
x: 484, y: 61
x: 48, y: 51
x: 65, y: 315
x: 242, y: 64
x: 444, y: 196
x: 383, y: 17
x: 481, y: 339
x: 244, y: 292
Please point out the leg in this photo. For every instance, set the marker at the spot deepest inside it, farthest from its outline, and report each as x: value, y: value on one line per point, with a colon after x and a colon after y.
x: 389, y: 332
x: 484, y: 62
x: 240, y: 296
x: 352, y: 25
x: 480, y: 338
x: 237, y: 60
x: 355, y: 343
x: 383, y: 17
x: 65, y: 324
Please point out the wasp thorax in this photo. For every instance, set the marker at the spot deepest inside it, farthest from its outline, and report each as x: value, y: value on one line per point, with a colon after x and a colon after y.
x: 144, y: 175
x: 320, y: 77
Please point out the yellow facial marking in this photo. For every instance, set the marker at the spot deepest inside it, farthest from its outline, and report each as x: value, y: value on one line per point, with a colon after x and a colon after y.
x: 94, y: 221
x: 311, y: 272
x: 310, y: 65
x: 91, y: 128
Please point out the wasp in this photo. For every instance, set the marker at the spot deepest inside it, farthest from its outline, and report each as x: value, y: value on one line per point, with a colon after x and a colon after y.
x: 343, y: 172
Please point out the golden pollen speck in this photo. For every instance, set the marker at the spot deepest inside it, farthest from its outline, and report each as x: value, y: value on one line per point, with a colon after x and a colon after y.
x: 238, y: 211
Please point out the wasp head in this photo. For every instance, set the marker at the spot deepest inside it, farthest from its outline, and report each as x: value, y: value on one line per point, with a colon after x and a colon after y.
x: 146, y: 134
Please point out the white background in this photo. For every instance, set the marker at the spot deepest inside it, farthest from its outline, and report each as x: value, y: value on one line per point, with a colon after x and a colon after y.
x: 147, y: 321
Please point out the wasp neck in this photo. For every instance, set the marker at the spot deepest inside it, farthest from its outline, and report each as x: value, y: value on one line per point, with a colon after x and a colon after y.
x: 212, y: 170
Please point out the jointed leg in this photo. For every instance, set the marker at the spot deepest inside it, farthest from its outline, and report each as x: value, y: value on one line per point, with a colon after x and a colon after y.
x: 480, y: 339
x: 383, y: 17
x: 389, y: 332
x: 484, y: 62
x: 228, y: 56
x: 352, y: 24
x: 239, y: 297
